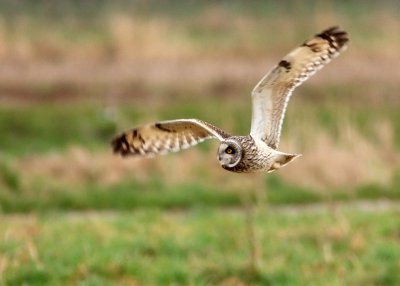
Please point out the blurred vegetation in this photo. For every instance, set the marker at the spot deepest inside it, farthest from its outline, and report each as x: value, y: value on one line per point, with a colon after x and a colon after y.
x: 97, y: 30
x: 346, y: 247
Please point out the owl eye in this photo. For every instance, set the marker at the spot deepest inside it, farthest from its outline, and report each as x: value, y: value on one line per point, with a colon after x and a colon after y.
x: 229, y: 150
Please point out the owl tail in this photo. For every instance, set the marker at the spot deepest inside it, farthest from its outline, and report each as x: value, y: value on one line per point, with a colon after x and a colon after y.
x: 281, y: 159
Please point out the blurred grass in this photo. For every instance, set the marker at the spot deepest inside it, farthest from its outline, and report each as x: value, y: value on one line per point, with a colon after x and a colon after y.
x: 102, y: 30
x: 44, y: 196
x: 201, y: 247
x: 31, y: 129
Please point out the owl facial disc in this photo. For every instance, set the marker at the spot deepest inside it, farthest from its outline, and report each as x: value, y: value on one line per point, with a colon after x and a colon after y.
x: 229, y: 153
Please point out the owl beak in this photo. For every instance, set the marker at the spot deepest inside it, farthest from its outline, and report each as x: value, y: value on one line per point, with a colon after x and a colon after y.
x: 224, y: 161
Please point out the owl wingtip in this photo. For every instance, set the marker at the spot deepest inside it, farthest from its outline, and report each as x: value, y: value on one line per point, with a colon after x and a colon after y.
x: 337, y: 35
x: 120, y: 145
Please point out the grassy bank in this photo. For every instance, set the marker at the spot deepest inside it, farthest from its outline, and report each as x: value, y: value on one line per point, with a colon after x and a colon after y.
x: 202, y: 247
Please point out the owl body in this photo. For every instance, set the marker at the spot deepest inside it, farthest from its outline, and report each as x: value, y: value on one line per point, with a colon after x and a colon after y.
x: 258, y: 150
x: 250, y: 155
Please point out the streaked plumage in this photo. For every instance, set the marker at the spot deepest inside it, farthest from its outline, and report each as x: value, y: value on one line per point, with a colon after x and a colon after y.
x: 257, y: 151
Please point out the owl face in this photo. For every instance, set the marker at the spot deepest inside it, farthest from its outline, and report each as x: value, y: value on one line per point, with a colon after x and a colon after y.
x: 229, y: 153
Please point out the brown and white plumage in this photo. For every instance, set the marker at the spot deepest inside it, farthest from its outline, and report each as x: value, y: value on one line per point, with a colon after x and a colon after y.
x: 257, y: 151
x: 271, y: 95
x: 166, y: 136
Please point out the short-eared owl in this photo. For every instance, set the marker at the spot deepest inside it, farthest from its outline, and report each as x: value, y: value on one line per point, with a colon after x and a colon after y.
x: 257, y: 151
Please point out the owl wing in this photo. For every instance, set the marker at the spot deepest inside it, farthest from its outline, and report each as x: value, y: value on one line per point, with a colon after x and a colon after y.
x: 271, y: 95
x: 166, y: 136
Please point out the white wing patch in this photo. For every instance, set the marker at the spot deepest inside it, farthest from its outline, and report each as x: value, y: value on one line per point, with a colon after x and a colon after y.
x: 271, y: 95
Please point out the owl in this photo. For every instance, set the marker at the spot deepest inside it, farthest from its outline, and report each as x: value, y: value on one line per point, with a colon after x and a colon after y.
x: 258, y: 150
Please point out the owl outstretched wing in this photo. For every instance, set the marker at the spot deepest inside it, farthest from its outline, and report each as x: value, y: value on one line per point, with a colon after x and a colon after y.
x: 165, y: 136
x: 271, y: 95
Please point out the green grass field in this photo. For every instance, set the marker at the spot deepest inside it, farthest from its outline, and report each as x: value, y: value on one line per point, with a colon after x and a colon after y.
x: 200, y: 247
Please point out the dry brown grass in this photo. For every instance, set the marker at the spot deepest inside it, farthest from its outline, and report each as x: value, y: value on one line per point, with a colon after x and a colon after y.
x: 212, y: 32
x: 125, y: 48
x: 151, y: 39
x: 345, y: 162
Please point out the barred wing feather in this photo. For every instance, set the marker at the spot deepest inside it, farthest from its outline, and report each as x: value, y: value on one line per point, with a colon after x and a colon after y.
x: 271, y: 95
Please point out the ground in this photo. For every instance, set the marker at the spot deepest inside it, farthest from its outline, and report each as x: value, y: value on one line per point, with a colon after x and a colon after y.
x: 351, y: 244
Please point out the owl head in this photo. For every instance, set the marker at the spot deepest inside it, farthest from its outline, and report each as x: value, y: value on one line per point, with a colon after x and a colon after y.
x: 229, y: 153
